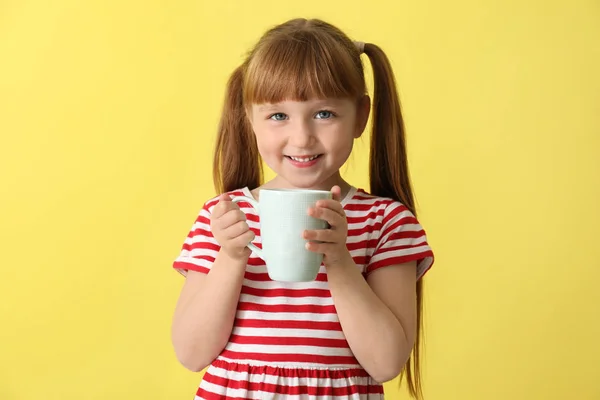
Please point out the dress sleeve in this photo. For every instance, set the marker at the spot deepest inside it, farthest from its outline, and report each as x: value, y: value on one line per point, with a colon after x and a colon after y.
x: 200, y: 248
x: 401, y: 240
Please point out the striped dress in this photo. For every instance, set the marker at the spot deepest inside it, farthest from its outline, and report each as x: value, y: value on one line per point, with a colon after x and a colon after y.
x: 287, y: 341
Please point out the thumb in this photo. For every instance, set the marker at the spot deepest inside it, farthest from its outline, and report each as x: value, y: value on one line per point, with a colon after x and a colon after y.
x: 337, y: 193
x: 224, y: 197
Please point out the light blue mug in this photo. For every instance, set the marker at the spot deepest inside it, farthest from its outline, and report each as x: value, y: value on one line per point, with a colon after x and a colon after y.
x: 283, y: 217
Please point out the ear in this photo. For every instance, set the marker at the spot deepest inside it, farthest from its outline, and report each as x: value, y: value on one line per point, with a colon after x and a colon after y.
x: 363, y: 110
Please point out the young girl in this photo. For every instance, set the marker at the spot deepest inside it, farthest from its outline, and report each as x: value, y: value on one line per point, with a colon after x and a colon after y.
x: 298, y: 102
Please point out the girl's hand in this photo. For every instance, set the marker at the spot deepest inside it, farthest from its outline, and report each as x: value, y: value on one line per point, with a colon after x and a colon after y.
x: 229, y: 228
x: 330, y: 242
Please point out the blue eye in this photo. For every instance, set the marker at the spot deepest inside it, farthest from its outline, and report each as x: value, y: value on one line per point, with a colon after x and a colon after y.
x: 324, y: 114
x: 278, y: 117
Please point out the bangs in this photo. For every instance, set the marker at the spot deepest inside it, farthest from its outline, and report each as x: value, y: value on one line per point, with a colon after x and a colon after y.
x: 302, y: 68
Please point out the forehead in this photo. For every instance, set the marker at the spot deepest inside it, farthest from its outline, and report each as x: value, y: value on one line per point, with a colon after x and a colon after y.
x: 303, y: 105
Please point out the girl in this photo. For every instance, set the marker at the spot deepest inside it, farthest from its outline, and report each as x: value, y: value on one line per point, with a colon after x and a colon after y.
x: 298, y: 102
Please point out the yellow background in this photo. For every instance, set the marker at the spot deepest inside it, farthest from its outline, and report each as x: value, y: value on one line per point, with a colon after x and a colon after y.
x: 108, y: 111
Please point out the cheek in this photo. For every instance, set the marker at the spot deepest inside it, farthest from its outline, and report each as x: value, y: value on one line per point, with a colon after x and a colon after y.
x: 267, y: 144
x: 346, y: 148
x: 342, y: 139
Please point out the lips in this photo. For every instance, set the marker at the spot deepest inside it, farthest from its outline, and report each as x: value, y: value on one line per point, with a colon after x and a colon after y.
x: 304, y: 161
x: 304, y: 158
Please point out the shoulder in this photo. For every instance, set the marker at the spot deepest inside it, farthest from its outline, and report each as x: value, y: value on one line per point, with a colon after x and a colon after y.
x: 395, y: 235
x: 375, y: 207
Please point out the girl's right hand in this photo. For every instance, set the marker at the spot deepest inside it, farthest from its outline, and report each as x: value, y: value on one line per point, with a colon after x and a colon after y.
x: 229, y: 228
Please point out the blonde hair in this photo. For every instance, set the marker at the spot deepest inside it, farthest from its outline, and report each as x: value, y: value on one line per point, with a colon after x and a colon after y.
x: 303, y: 59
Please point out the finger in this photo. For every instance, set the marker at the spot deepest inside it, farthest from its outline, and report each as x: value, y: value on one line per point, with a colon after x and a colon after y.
x: 224, y: 199
x: 243, y: 239
x: 228, y: 220
x: 321, y: 248
x: 235, y: 230
x: 333, y: 205
x: 231, y: 218
x: 323, y: 235
x: 224, y: 202
x: 337, y: 193
x: 333, y: 218
x: 223, y: 207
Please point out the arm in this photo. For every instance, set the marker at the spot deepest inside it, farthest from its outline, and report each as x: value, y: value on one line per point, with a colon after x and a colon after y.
x: 378, y: 315
x: 206, y: 309
x: 205, y: 312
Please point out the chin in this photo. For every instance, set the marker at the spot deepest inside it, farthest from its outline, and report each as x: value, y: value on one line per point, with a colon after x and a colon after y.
x: 314, y: 184
x: 299, y: 184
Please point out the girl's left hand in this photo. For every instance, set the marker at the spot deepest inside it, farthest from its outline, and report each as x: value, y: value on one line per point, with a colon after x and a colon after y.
x: 330, y: 242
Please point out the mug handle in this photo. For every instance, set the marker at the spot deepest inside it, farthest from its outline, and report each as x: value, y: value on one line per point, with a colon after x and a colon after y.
x: 254, y: 204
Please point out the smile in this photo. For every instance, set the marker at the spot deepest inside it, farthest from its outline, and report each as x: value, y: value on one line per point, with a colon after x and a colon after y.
x: 304, y: 158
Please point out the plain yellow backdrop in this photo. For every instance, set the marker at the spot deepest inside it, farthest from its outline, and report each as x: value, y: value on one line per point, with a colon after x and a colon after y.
x: 108, y: 111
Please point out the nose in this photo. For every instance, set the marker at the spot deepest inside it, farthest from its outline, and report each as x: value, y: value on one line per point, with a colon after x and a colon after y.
x: 301, y: 135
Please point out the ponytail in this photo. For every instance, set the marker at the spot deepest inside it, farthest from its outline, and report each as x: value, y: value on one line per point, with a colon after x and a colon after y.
x: 389, y: 176
x: 236, y: 161
x: 388, y: 159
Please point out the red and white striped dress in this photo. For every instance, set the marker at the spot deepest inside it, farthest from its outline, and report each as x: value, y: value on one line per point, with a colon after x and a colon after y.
x: 287, y: 342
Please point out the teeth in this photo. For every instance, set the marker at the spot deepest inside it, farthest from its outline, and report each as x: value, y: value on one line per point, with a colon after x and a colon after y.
x: 303, y: 159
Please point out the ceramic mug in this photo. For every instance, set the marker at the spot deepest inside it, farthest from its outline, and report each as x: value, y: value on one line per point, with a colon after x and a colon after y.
x: 283, y: 217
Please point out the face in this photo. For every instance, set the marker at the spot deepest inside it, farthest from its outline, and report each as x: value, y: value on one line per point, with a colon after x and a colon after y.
x: 306, y: 142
